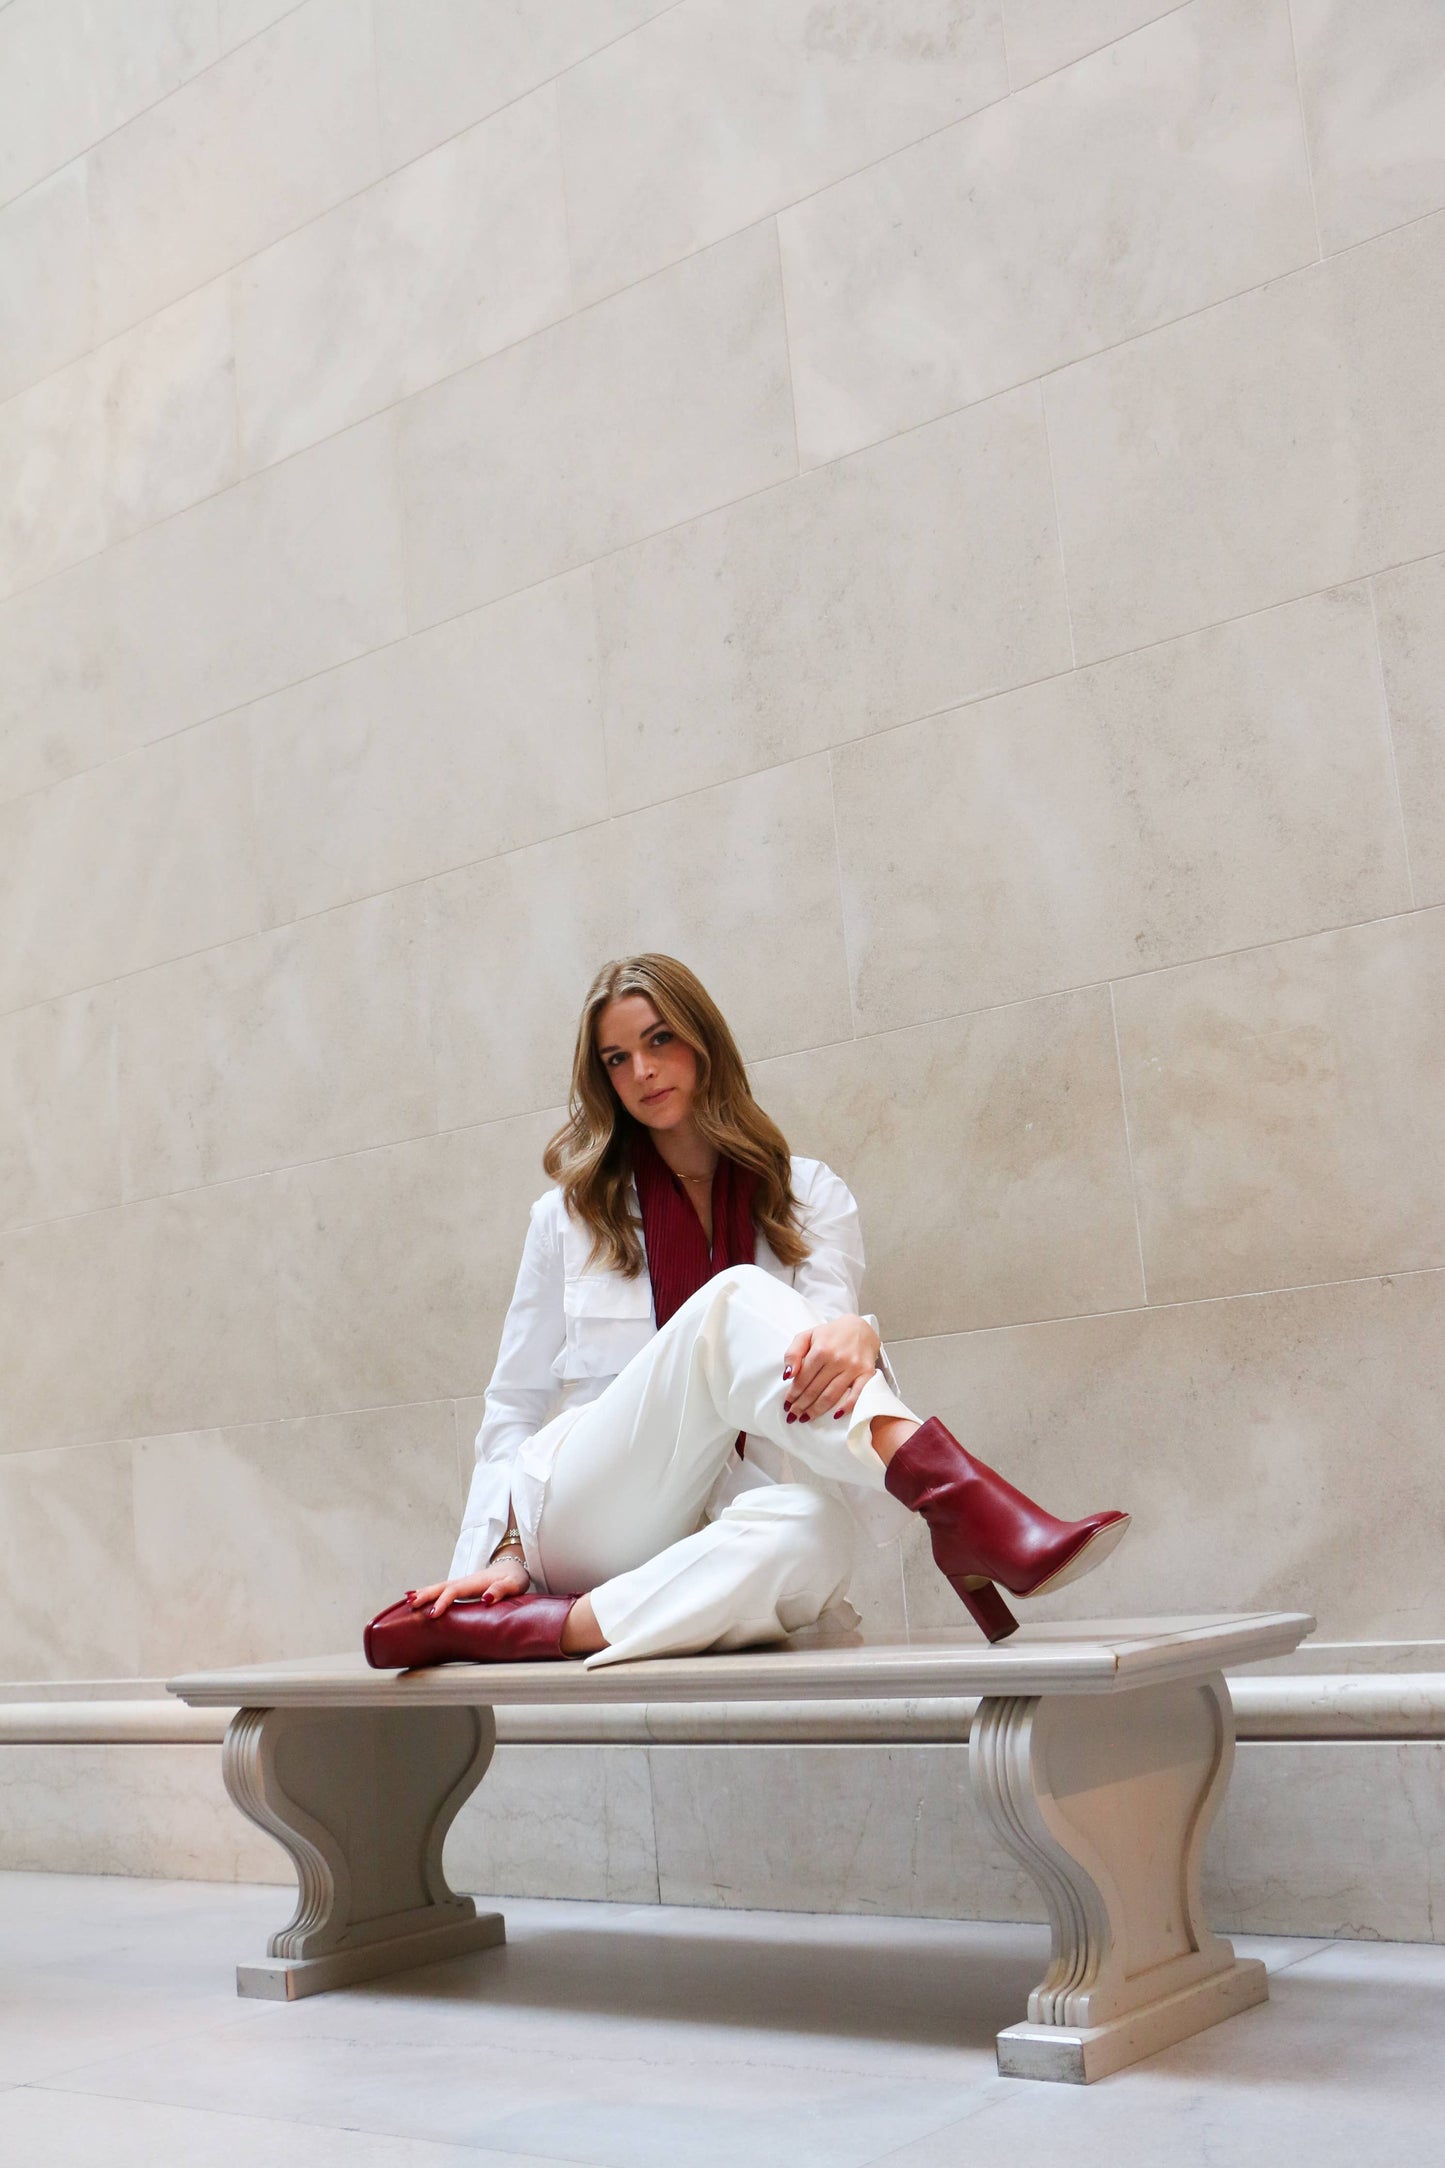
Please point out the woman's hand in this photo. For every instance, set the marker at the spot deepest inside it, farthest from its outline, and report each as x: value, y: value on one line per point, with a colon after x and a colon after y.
x: 504, y: 1577
x: 827, y: 1368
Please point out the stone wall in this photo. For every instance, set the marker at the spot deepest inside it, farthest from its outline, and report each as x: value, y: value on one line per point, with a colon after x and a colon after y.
x: 932, y: 510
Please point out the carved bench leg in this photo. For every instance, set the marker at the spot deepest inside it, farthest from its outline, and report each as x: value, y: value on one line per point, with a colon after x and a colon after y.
x: 362, y: 1799
x: 1107, y: 1800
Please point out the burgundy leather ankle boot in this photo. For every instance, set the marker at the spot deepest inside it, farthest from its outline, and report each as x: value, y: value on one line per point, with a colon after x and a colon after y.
x: 983, y: 1530
x: 518, y: 1629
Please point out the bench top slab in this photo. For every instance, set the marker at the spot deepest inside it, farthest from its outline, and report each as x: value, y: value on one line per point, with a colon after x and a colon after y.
x: 1089, y: 1656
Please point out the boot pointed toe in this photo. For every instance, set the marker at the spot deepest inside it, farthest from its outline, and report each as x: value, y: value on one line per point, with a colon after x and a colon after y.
x: 519, y: 1629
x: 983, y: 1530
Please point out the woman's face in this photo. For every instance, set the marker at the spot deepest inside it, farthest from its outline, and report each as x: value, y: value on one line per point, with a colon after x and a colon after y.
x: 653, y: 1072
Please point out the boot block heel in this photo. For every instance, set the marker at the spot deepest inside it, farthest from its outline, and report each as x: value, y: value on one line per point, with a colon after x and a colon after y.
x: 987, y: 1608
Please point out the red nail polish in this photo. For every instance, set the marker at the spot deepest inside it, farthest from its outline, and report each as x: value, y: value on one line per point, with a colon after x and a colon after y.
x: 805, y: 1418
x: 787, y: 1373
x: 792, y: 1418
x: 837, y: 1415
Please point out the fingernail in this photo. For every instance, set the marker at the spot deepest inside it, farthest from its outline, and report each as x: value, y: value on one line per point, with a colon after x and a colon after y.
x: 433, y: 1612
x: 410, y: 1593
x: 787, y: 1373
x: 792, y: 1418
x: 805, y: 1418
x: 837, y: 1415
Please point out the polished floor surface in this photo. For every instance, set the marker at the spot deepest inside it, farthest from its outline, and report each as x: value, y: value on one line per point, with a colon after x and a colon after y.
x: 639, y: 2037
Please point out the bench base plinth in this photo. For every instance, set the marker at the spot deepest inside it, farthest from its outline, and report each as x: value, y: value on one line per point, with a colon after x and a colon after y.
x: 362, y: 1800
x: 1108, y: 1803
x: 1076, y: 2055
x: 286, y: 1979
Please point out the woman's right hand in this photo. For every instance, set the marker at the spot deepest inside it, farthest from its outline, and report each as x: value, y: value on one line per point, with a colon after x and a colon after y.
x: 504, y: 1577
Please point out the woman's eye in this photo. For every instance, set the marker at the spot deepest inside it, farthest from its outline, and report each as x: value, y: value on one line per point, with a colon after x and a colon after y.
x: 661, y: 1038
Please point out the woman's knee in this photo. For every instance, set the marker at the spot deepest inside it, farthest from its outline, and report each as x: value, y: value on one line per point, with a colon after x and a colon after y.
x: 747, y: 1277
x: 759, y: 1290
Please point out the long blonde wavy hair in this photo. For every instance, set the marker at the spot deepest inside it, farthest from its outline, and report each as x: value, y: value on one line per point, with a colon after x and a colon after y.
x: 591, y: 1154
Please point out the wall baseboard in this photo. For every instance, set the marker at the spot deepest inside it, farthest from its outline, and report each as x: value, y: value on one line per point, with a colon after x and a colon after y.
x: 1319, y: 1837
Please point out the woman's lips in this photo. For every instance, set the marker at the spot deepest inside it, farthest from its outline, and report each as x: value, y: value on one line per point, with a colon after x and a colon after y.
x: 650, y: 1099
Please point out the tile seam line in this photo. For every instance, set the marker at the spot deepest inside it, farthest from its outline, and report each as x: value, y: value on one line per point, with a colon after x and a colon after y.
x: 880, y: 1031
x: 413, y: 629
x: 1160, y: 1307
x: 1388, y: 720
x: 576, y: 310
x: 579, y: 309
x: 85, y: 149
x: 727, y: 504
x: 652, y: 1820
x: 1128, y: 1144
x: 1328, y: 1943
x: 536, y: 1113
x: 959, y: 120
x: 899, y: 1342
x: 971, y: 701
x: 564, y: 197
x: 1108, y: 44
x: 780, y: 211
x: 602, y: 819
x: 755, y: 1062
x: 1058, y: 527
x: 777, y: 212
x: 229, y: 271
x: 787, y: 349
x: 570, y: 571
x: 822, y: 466
x: 249, y: 1422
x: 1153, y: 971
x: 838, y: 891
x: 572, y: 67
x: 359, y: 1151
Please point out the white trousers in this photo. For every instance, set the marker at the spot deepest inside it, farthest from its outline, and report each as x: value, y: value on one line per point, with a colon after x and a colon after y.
x: 638, y: 1497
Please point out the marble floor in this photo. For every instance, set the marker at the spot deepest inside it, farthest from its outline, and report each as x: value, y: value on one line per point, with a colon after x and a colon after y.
x: 639, y: 2037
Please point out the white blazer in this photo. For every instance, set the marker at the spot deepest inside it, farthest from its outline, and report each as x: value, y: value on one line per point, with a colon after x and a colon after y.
x: 572, y: 1327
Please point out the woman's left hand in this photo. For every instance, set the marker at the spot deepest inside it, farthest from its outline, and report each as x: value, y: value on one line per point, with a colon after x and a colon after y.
x: 827, y: 1367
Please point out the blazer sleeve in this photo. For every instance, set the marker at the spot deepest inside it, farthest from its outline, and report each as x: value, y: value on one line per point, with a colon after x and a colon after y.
x: 831, y: 1275
x: 522, y: 1392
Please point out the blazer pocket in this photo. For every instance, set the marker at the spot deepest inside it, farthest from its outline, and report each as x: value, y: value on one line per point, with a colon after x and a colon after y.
x: 609, y: 1320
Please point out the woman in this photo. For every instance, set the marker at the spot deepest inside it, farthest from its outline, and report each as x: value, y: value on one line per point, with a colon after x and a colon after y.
x: 684, y: 1381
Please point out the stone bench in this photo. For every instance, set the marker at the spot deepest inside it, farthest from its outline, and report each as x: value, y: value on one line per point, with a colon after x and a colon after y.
x: 1099, y: 1752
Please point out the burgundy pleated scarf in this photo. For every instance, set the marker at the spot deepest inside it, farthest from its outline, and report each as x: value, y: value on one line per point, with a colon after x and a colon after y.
x: 678, y: 1259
